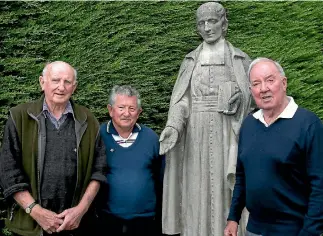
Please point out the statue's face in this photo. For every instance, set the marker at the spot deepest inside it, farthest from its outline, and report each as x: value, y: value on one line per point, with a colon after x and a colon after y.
x: 209, y: 25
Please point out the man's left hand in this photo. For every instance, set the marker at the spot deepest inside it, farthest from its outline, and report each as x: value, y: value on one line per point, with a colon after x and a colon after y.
x: 231, y: 229
x: 72, y: 218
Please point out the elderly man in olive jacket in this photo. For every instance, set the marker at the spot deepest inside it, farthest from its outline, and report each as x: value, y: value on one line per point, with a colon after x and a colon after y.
x: 52, y: 160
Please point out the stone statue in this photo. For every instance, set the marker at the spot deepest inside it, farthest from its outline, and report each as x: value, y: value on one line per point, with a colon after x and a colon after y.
x: 209, y: 101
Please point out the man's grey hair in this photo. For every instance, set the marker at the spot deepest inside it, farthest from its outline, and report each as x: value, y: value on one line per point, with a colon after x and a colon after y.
x: 51, y: 63
x: 124, y: 90
x: 220, y: 11
x: 264, y: 59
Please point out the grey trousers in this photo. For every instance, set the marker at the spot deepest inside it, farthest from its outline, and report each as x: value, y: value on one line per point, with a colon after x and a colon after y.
x: 252, y: 234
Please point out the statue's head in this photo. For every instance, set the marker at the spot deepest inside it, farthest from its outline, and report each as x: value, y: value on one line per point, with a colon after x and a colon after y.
x: 212, y: 23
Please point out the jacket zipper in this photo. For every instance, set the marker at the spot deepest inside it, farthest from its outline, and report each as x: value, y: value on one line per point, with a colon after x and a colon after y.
x: 38, y: 162
x: 12, y: 210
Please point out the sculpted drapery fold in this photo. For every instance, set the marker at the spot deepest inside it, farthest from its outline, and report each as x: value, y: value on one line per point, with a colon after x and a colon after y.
x: 196, y: 189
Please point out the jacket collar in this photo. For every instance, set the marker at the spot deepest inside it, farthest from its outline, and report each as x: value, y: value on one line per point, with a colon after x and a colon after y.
x: 36, y: 109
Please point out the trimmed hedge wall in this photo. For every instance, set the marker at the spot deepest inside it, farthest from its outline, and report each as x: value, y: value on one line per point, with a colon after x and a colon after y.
x: 143, y: 44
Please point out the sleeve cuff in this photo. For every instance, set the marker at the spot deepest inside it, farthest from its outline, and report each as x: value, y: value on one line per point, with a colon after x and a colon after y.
x: 99, y: 177
x: 233, y: 218
x: 14, y: 189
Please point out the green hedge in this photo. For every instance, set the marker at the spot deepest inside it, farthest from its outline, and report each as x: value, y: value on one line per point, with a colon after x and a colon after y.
x: 143, y: 44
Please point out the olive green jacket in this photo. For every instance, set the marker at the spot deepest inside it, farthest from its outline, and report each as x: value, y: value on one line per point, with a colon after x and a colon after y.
x: 23, y: 152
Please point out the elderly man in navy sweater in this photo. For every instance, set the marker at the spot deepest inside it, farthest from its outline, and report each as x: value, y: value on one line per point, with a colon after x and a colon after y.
x: 279, y: 174
x: 135, y: 169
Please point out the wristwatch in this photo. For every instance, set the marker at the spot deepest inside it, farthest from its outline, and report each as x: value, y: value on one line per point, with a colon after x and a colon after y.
x: 30, y: 207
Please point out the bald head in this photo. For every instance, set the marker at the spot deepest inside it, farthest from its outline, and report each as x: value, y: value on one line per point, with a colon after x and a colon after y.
x: 59, y: 65
x: 58, y: 82
x: 264, y: 59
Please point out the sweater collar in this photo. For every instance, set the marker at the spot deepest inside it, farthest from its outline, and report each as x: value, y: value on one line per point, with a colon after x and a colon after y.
x: 111, y: 129
x: 287, y: 113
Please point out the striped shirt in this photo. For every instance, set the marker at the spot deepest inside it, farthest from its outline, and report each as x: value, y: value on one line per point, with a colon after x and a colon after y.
x: 125, y: 142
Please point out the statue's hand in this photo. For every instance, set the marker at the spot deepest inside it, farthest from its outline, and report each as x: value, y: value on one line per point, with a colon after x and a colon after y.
x: 234, y: 103
x: 168, y: 139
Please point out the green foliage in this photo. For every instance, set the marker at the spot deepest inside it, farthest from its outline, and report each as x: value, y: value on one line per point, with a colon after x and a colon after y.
x: 290, y: 32
x: 6, y: 232
x: 143, y: 44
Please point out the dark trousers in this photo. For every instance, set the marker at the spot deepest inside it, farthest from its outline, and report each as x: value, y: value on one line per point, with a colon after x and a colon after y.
x: 110, y: 225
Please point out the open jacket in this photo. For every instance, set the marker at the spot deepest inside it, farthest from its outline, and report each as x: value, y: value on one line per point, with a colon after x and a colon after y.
x: 23, y: 153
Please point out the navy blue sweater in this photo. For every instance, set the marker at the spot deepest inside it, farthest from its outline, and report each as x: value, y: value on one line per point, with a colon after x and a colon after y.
x: 279, y: 176
x: 134, y: 174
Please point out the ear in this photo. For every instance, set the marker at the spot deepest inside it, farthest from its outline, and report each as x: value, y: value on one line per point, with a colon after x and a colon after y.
x: 284, y: 81
x: 74, y: 87
x: 224, y: 26
x: 139, y: 112
x: 41, y: 82
x: 109, y: 109
x: 197, y: 30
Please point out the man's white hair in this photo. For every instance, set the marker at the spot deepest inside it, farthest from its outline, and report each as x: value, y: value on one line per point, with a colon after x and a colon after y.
x: 124, y: 90
x: 265, y: 59
x: 48, y: 65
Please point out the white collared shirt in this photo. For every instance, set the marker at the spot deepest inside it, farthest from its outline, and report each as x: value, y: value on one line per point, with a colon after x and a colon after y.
x: 287, y: 113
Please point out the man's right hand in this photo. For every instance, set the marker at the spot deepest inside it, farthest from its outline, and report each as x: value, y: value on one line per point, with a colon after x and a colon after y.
x: 231, y: 229
x: 168, y: 139
x: 47, y: 219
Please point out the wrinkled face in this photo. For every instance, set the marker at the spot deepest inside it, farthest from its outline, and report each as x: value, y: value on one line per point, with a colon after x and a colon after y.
x: 268, y: 86
x: 209, y: 25
x: 124, y: 112
x: 58, y: 84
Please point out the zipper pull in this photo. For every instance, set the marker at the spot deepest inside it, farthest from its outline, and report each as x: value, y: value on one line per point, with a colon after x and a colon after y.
x: 12, y: 210
x: 11, y: 215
